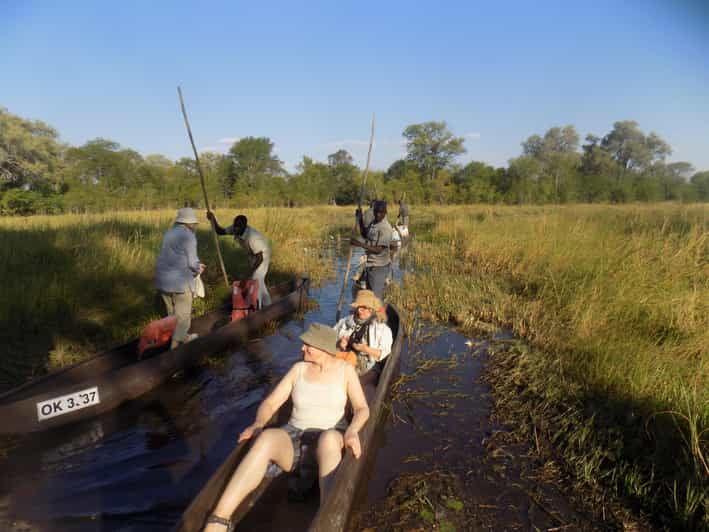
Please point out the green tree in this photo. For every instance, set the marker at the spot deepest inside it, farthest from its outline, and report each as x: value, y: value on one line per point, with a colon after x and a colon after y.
x: 340, y: 158
x: 557, y: 153
x: 344, y: 177
x: 397, y: 170
x: 403, y: 178
x: 632, y: 149
x: 311, y: 184
x: 253, y: 162
x: 30, y: 152
x: 523, y: 177
x: 700, y: 182
x: 431, y: 147
x: 476, y: 183
x: 597, y: 171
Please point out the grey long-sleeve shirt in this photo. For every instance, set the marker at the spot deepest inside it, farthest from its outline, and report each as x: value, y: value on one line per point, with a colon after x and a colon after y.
x: 178, y: 263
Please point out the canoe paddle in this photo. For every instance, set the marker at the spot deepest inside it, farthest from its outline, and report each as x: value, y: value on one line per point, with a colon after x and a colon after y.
x: 354, y: 229
x: 204, y: 188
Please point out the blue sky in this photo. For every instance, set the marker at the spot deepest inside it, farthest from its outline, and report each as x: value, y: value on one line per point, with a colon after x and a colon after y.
x: 309, y: 75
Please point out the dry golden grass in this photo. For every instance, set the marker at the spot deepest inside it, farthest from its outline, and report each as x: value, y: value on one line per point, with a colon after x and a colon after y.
x: 616, y: 301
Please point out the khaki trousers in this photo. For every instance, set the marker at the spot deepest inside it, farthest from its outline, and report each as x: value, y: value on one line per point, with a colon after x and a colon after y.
x: 179, y: 304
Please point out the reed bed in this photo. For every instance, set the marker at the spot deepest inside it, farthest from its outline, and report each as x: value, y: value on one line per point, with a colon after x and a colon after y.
x: 74, y: 284
x: 614, y: 304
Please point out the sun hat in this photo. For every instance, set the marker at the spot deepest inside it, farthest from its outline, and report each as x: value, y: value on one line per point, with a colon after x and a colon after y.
x: 321, y: 337
x: 186, y: 215
x: 367, y: 298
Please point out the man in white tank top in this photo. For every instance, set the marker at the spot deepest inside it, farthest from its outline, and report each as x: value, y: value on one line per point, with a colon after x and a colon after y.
x: 319, y: 387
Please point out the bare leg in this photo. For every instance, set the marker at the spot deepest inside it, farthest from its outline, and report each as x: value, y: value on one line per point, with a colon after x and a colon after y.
x: 330, y: 446
x: 273, y: 445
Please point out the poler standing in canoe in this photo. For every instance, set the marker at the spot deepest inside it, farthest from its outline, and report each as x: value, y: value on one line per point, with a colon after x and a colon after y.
x: 175, y: 271
x: 403, y: 217
x: 257, y: 248
x: 377, y: 237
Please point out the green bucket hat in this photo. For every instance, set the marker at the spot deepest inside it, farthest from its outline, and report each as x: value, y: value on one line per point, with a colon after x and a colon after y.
x: 322, y: 337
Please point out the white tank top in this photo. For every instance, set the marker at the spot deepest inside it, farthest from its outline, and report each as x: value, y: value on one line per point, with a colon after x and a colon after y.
x: 318, y: 405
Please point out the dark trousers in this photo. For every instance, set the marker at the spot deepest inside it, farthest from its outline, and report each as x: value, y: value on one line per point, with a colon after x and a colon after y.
x: 376, y: 279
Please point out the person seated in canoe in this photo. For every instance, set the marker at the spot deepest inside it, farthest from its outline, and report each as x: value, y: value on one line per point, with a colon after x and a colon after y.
x: 363, y: 337
x: 257, y: 249
x: 319, y: 387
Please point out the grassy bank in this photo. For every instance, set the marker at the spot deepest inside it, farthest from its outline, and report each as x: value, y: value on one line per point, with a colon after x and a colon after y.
x: 614, y: 304
x: 76, y: 283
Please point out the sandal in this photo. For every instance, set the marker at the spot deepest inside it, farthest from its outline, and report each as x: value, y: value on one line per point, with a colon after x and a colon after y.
x: 221, y: 521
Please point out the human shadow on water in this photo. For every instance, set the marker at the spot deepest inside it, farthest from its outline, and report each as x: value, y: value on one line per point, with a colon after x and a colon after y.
x: 137, y: 467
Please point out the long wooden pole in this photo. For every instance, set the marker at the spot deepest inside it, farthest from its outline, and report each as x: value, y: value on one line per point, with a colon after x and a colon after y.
x: 204, y: 188
x: 354, y: 229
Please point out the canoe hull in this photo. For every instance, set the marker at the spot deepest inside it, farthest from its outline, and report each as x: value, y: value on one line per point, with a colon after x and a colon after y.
x: 335, y: 512
x: 116, y: 376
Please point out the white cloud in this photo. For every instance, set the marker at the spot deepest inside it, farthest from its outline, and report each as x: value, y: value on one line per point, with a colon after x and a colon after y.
x: 221, y: 146
x: 472, y: 135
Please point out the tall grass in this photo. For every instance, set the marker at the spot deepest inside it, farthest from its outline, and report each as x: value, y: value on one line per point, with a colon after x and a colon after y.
x: 616, y: 301
x: 73, y: 284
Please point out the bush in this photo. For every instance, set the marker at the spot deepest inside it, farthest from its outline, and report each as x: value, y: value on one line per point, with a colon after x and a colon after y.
x: 20, y: 202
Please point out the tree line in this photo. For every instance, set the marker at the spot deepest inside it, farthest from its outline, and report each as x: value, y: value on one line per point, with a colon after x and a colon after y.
x: 40, y: 174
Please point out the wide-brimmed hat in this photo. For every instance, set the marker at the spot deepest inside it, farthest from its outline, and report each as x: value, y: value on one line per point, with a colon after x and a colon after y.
x: 322, y: 337
x: 186, y: 215
x: 367, y: 298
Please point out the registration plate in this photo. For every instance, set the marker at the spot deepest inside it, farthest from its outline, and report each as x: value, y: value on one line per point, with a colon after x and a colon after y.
x: 58, y: 406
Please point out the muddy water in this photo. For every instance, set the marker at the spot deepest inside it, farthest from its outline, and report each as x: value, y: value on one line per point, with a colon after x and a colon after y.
x: 137, y: 468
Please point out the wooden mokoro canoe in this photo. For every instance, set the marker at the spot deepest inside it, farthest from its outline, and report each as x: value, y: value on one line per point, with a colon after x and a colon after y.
x: 106, y: 380
x: 334, y: 513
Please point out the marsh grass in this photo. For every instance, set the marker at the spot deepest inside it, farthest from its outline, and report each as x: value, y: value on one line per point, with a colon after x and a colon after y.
x: 614, y: 302
x: 74, y: 284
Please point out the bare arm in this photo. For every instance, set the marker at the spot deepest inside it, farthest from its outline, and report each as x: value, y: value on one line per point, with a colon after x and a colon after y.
x: 384, y: 340
x: 360, y: 409
x: 271, y: 404
x: 217, y: 228
x: 371, y: 351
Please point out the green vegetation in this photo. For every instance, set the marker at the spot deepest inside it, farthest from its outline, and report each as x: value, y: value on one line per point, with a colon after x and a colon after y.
x: 613, y: 303
x: 40, y: 174
x: 77, y: 283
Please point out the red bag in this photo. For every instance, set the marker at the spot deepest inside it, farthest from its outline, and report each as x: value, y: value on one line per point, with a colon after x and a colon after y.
x: 156, y: 334
x: 244, y: 299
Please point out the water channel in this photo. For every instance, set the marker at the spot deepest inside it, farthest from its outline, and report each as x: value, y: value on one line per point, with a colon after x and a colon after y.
x: 137, y: 468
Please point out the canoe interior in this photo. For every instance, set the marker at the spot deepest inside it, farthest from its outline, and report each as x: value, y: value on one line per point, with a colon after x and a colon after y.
x: 125, y: 354
x: 269, y: 508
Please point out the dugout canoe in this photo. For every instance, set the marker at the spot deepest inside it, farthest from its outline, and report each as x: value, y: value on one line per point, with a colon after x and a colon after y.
x: 106, y: 380
x: 335, y: 512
